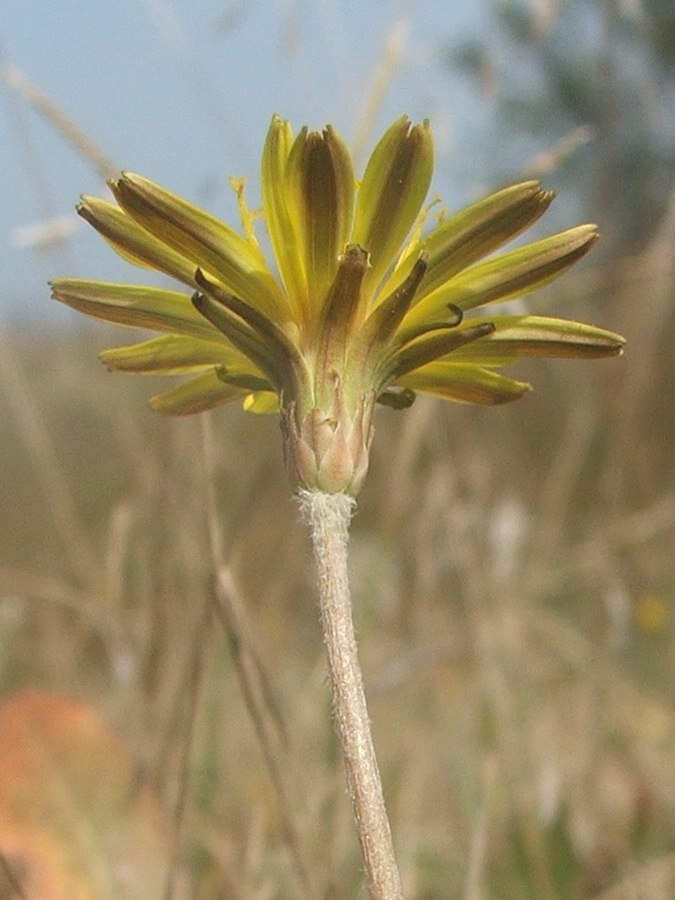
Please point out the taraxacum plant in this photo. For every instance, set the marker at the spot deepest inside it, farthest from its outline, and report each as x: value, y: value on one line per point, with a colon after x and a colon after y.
x: 365, y: 304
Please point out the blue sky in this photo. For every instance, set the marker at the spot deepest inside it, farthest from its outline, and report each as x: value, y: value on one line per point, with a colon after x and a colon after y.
x: 183, y: 91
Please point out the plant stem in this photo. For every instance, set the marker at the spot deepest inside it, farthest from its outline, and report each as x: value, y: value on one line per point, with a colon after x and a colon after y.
x: 328, y: 516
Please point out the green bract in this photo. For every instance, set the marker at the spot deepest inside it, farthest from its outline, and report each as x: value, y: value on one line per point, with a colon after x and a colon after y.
x: 362, y: 305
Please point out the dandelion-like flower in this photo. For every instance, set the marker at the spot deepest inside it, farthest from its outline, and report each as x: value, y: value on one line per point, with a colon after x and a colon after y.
x: 363, y: 304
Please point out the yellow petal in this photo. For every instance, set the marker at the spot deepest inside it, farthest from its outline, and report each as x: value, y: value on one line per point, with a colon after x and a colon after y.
x: 171, y: 354
x: 256, y: 336
x: 320, y: 181
x: 208, y: 243
x: 281, y: 226
x: 196, y: 395
x: 264, y: 403
x: 464, y: 383
x: 433, y: 345
x: 391, y: 193
x: 519, y: 336
x: 132, y: 242
x: 509, y: 275
x: 473, y: 233
x: 135, y: 306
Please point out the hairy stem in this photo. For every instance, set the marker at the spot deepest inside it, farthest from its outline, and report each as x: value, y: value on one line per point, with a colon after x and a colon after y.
x: 328, y: 516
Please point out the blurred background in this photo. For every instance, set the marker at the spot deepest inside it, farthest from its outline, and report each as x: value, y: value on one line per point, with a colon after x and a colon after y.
x: 512, y: 567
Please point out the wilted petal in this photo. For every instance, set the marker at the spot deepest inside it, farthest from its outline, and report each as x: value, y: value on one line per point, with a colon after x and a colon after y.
x: 391, y: 193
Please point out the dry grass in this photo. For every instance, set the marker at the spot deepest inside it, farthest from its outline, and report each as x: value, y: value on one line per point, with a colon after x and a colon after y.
x: 512, y: 574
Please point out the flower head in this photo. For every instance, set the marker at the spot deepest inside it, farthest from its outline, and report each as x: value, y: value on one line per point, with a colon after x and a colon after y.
x: 364, y: 304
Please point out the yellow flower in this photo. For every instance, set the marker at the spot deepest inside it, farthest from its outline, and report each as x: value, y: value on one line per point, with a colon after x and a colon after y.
x: 362, y: 306
x: 652, y: 613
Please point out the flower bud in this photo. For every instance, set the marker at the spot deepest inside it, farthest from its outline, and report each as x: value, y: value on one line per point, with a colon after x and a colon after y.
x: 327, y: 450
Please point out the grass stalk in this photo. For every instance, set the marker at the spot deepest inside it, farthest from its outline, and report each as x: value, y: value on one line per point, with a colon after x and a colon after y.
x: 194, y: 685
x: 254, y: 685
x: 328, y: 516
x: 76, y: 545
